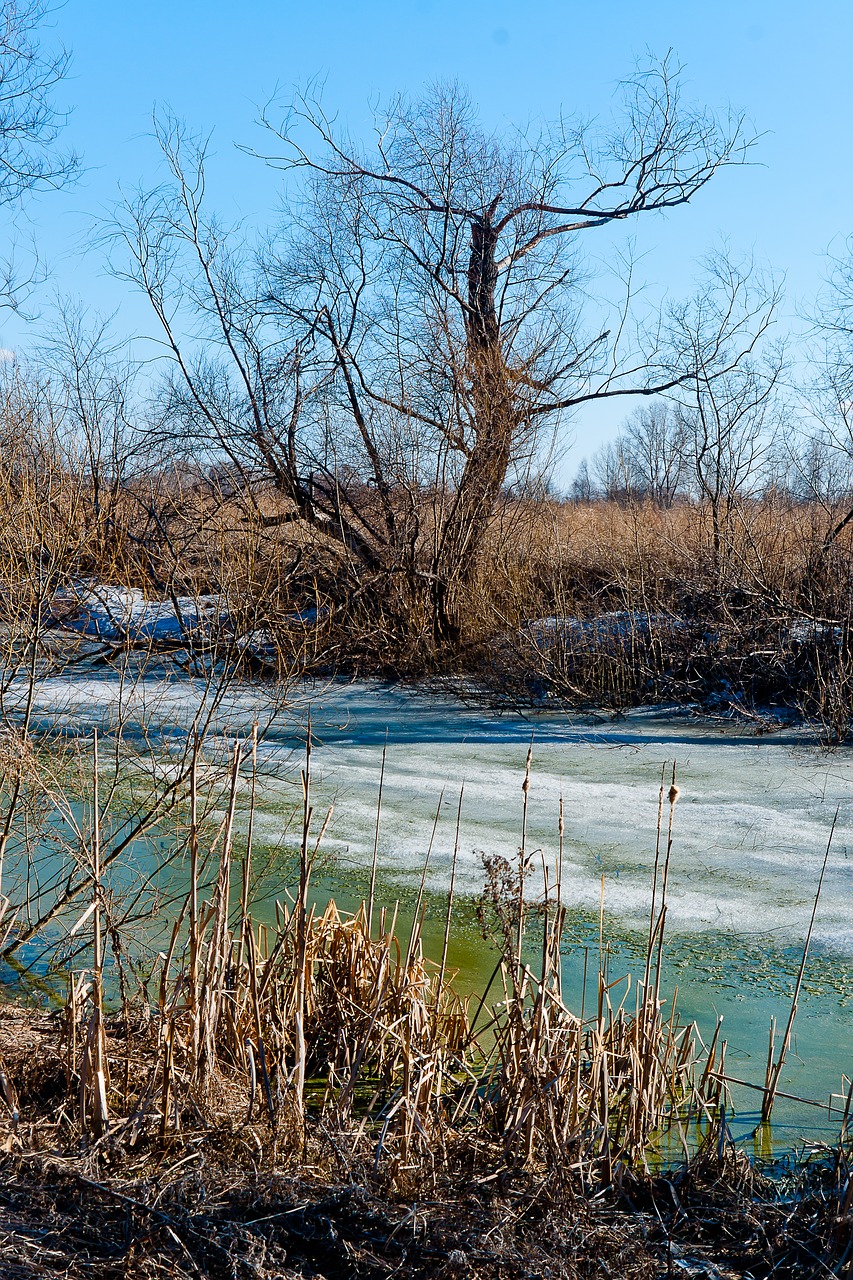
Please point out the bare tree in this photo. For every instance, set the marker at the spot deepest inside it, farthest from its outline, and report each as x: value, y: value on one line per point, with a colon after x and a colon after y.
x: 582, y: 489
x: 30, y: 121
x: 831, y: 391
x: 727, y: 402
x: 654, y: 443
x: 424, y: 325
x: 611, y: 470
x: 95, y: 412
x: 647, y: 459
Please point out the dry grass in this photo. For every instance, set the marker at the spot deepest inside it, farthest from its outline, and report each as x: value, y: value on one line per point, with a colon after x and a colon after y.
x: 336, y: 1016
x: 650, y: 616
x: 586, y: 558
x: 314, y: 1098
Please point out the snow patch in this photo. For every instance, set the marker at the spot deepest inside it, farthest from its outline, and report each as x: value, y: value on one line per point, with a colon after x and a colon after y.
x: 123, y: 614
x: 604, y: 630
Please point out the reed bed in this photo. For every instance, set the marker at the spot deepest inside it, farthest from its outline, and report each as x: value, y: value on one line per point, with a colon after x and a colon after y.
x: 334, y: 1028
x: 321, y: 1075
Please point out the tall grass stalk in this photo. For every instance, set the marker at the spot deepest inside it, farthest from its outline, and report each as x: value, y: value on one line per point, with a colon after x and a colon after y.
x: 323, y: 1031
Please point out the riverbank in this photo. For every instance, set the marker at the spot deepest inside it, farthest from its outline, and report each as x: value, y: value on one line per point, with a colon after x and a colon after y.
x: 227, y: 1198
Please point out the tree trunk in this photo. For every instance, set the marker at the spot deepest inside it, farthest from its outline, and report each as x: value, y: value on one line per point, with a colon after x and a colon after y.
x: 495, y: 422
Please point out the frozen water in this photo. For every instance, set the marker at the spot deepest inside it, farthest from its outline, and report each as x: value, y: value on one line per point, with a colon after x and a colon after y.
x: 750, y: 831
x: 751, y: 824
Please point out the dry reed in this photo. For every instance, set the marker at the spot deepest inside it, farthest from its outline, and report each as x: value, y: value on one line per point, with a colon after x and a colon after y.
x: 324, y: 1023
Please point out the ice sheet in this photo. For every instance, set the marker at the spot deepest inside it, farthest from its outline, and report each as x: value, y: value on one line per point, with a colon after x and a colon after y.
x: 751, y: 823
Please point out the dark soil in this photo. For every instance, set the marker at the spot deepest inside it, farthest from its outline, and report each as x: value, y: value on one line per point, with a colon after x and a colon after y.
x: 55, y: 1220
x: 228, y: 1201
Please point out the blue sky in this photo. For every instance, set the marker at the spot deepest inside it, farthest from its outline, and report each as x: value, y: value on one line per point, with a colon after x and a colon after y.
x: 786, y: 65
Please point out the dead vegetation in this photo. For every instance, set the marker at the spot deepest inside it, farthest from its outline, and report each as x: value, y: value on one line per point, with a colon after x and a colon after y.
x: 260, y: 1223
x: 314, y: 1098
x: 609, y: 602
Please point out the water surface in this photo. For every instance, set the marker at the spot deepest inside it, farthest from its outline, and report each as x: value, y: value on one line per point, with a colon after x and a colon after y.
x: 751, y: 827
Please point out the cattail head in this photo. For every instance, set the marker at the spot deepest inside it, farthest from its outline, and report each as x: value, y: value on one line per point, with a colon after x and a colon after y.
x: 673, y: 794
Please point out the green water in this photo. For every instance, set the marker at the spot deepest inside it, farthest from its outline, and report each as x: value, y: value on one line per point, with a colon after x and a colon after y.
x: 713, y: 974
x: 750, y: 834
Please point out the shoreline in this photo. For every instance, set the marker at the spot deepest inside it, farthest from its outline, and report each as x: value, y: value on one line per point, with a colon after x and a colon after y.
x: 231, y: 1199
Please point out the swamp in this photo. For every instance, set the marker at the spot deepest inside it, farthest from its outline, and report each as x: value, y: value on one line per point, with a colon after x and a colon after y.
x: 390, y: 940
x: 424, y: 851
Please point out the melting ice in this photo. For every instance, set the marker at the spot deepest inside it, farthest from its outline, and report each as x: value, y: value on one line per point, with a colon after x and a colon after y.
x: 751, y: 825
